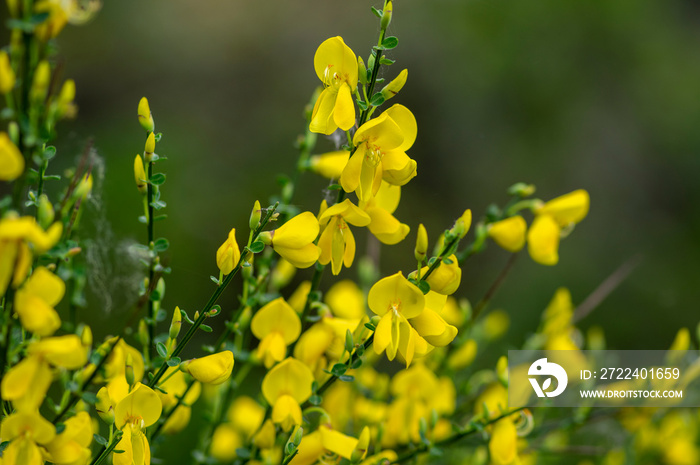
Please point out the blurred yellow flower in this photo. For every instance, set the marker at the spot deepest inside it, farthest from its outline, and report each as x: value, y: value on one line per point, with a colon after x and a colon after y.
x: 26, y: 433
x: 276, y: 325
x: 509, y: 233
x: 337, y: 242
x: 35, y: 300
x: 285, y: 387
x: 294, y: 240
x: 138, y: 410
x: 11, y: 159
x: 229, y: 254
x: 336, y: 67
x: 212, y: 369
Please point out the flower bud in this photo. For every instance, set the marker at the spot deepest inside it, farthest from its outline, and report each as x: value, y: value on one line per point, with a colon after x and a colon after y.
x: 175, y: 324
x: 360, y: 450
x: 140, y: 175
x: 42, y: 77
x: 386, y: 15
x: 421, y: 244
x: 143, y: 333
x: 150, y: 147
x: 521, y: 189
x: 11, y: 159
x: 393, y: 88
x: 86, y: 336
x: 129, y: 370
x: 64, y: 103
x: 254, y: 220
x: 361, y: 71
x: 7, y: 74
x: 105, y: 406
x: 463, y: 223
x: 145, y: 116
x: 45, y: 212
x: 83, y: 188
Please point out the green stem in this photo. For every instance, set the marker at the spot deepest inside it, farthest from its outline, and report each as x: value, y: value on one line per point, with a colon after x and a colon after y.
x: 212, y: 300
x: 151, y: 268
x: 106, y: 450
x: 289, y: 458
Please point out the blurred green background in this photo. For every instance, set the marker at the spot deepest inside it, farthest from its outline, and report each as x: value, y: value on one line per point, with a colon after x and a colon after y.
x: 596, y: 94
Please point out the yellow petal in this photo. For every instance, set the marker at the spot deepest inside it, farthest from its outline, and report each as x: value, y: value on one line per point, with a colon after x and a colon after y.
x: 543, y: 240
x: 344, y: 111
x: 22, y: 265
x: 509, y: 233
x: 290, y: 377
x: 385, y: 227
x: 349, y: 254
x: 35, y: 315
x: 381, y: 132
x: 346, y: 300
x: 395, y: 293
x: 322, y: 120
x: 382, y: 334
x: 407, y: 122
x: 433, y: 328
x: 63, y: 351
x: 212, y: 369
x: 224, y: 443
x: 27, y: 381
x: 246, y: 415
x: 302, y: 257
x: 398, y: 168
x: 334, y: 57
x: 11, y: 159
x: 350, y: 176
x: 337, y: 442
x: 503, y: 442
x: 272, y: 349
x: 296, y: 233
x: 22, y: 451
x: 8, y: 256
x: 286, y: 412
x: 276, y: 316
x: 330, y: 165
x: 310, y: 449
x: 569, y: 208
x: 141, y: 403
x: 229, y: 254
x: 349, y: 211
x: 45, y: 285
x: 407, y: 342
x: 388, y: 197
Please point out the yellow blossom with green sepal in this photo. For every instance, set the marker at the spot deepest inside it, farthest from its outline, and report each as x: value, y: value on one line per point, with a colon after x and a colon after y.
x: 212, y: 369
x: 337, y: 242
x: 294, y: 240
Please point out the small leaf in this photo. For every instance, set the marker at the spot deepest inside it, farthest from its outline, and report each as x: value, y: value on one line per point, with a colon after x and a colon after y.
x: 257, y: 247
x: 173, y: 362
x: 377, y: 13
x: 362, y: 104
x: 157, y: 179
x: 386, y: 61
x: 334, y: 187
x: 89, y: 397
x: 424, y: 287
x: 390, y: 42
x: 377, y: 99
x: 60, y: 427
x: 206, y: 328
x: 161, y: 244
x: 161, y: 349
x: 370, y: 326
x: 100, y: 440
x: 339, y: 369
x: 49, y: 152
x: 346, y: 378
x: 315, y: 399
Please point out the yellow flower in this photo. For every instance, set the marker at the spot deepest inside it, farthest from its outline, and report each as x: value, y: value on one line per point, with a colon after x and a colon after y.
x: 383, y: 224
x: 336, y: 67
x: 337, y: 242
x: 138, y: 410
x: 294, y: 240
x: 543, y: 240
x: 445, y: 279
x: 380, y: 153
x: 71, y: 447
x: 509, y: 233
x: 395, y: 299
x: 26, y: 432
x: 463, y: 356
x: 212, y: 369
x: 276, y: 325
x: 228, y: 254
x: 56, y: 21
x: 329, y: 165
x: 7, y: 75
x: 430, y: 325
x: 346, y: 300
x: 26, y: 383
x: 11, y: 159
x: 34, y: 302
x: 568, y: 208
x: 503, y: 442
x: 285, y: 386
x: 224, y: 443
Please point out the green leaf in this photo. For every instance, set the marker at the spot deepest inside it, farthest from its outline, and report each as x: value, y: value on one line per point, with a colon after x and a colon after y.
x: 339, y: 369
x: 315, y: 399
x: 390, y: 42
x: 206, y: 328
x: 173, y: 362
x: 346, y: 378
x: 370, y: 326
x: 386, y: 61
x: 377, y: 99
x: 257, y: 247
x: 100, y: 440
x: 377, y: 13
x: 161, y: 349
x: 157, y: 179
x: 362, y: 105
x: 447, y: 261
x: 49, y: 152
x: 334, y: 187
x: 424, y: 287
x: 161, y: 244
x: 60, y: 427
